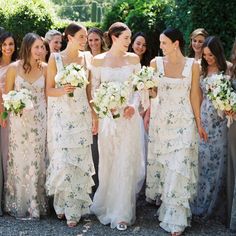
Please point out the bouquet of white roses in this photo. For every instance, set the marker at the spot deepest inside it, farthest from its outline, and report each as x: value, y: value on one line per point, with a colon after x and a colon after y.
x: 16, y: 101
x: 74, y: 75
x: 110, y: 97
x: 221, y: 94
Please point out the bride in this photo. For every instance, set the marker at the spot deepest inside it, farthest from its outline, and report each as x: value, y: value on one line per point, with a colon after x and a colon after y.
x: 121, y: 164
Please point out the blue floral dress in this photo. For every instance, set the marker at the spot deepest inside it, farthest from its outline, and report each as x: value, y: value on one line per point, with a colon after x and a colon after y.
x: 210, y: 198
x: 172, y: 150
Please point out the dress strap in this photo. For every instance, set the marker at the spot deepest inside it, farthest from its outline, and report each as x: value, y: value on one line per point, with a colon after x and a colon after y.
x: 187, y: 72
x: 58, y: 61
x: 160, y: 66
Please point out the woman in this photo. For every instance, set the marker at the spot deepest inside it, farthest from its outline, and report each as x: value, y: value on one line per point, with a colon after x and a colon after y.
x: 172, y: 152
x: 139, y: 45
x: 8, y: 54
x: 54, y: 39
x: 231, y: 161
x: 197, y: 39
x: 71, y: 168
x: 46, y: 51
x: 25, y: 194
x: 96, y: 43
x: 121, y: 164
x: 210, y: 200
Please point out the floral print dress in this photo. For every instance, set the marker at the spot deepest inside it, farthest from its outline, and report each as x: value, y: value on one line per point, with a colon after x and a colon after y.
x: 172, y: 152
x: 26, y: 172
x: 210, y: 200
x: 69, y: 175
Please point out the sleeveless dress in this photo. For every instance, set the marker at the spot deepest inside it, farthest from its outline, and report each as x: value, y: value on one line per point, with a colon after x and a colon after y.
x: 4, y: 131
x: 172, y: 152
x: 121, y: 156
x: 26, y: 172
x: 211, y: 192
x: 69, y: 175
x: 231, y: 173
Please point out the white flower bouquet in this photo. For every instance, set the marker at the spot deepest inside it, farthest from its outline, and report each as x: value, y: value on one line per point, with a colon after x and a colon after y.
x: 144, y: 79
x: 16, y: 102
x: 221, y: 94
x: 110, y: 97
x: 74, y: 75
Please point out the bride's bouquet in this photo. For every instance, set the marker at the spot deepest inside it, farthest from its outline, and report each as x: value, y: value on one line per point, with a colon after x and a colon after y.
x: 74, y: 75
x: 16, y: 102
x: 221, y: 94
x: 144, y: 80
x: 110, y: 97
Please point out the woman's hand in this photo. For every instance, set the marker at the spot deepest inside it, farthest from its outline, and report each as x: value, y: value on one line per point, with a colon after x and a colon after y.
x: 202, y: 133
x: 129, y: 112
x: 94, y: 125
x: 68, y: 88
x: 146, y: 119
x: 230, y: 113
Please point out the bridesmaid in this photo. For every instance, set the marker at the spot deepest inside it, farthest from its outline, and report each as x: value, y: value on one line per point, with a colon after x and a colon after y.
x: 25, y: 193
x: 69, y: 175
x: 8, y: 54
x: 231, y: 171
x: 210, y: 200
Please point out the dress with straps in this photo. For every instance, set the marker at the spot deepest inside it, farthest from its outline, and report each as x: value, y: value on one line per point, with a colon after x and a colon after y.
x: 25, y: 195
x: 69, y: 176
x: 172, y: 153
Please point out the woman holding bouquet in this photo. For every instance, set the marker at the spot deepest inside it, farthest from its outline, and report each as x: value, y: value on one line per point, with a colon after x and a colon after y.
x: 231, y: 161
x: 210, y: 199
x: 69, y: 176
x: 25, y: 193
x: 172, y: 152
x: 121, y: 164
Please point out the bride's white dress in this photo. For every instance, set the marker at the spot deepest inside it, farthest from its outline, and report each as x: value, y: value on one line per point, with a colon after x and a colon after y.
x: 121, y: 164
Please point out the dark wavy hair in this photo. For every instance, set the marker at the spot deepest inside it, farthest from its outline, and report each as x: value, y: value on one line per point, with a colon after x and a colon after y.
x: 3, y: 37
x: 233, y: 60
x: 100, y: 34
x: 175, y: 35
x: 115, y: 29
x: 25, y: 50
x: 145, y: 61
x: 194, y: 34
x: 216, y: 48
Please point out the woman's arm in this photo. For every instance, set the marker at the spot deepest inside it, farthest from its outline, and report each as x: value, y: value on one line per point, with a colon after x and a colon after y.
x: 195, y: 98
x: 153, y: 91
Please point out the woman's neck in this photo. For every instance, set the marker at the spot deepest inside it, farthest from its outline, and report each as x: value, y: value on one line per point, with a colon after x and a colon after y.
x: 5, y: 60
x: 115, y: 52
x: 71, y: 52
x: 211, y: 69
x: 175, y: 58
x: 96, y: 52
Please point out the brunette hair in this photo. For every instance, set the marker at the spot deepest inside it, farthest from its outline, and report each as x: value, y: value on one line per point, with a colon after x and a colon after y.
x: 175, y: 35
x: 3, y: 37
x: 71, y: 30
x: 46, y: 44
x: 216, y: 48
x: 25, y: 50
x: 194, y: 34
x: 145, y: 61
x: 116, y: 30
x: 100, y: 34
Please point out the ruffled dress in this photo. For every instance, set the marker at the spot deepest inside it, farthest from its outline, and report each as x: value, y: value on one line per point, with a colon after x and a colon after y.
x: 172, y: 163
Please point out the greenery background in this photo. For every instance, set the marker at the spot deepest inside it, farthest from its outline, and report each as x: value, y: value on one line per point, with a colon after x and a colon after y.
x: 150, y: 16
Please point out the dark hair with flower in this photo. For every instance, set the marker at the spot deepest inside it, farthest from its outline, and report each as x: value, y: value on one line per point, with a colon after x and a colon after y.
x: 216, y: 48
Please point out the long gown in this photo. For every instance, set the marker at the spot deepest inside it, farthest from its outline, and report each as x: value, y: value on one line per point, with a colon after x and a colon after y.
x: 4, y: 131
x: 69, y: 175
x: 26, y: 172
x: 121, y: 157
x: 231, y: 173
x: 211, y: 192
x: 172, y: 152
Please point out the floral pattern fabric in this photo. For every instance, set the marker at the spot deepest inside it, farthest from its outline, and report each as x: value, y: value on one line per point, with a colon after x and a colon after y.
x: 172, y: 150
x: 69, y: 175
x: 210, y: 200
x: 26, y: 171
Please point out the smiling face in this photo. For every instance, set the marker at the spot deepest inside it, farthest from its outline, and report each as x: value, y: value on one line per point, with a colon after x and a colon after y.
x: 123, y: 40
x: 94, y: 42
x: 166, y: 45
x: 8, y: 47
x: 139, y: 46
x: 197, y: 43
x: 37, y: 49
x: 79, y: 39
x: 209, y: 57
x: 55, y: 43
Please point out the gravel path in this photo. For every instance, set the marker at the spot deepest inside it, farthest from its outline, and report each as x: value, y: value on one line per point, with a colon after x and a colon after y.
x: 146, y: 225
